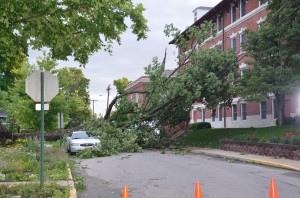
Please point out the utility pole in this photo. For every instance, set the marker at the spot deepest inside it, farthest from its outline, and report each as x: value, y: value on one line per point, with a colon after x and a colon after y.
x: 93, y: 105
x: 108, y: 89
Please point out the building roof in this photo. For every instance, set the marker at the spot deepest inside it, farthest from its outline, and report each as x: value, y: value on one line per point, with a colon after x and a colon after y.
x: 168, y: 72
x: 219, y: 8
x: 202, y: 8
x: 140, y: 80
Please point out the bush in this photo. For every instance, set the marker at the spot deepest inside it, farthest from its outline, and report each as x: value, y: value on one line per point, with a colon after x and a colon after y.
x: 289, y: 120
x: 199, y: 125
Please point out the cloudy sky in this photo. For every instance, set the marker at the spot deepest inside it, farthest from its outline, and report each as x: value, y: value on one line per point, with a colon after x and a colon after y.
x: 130, y: 58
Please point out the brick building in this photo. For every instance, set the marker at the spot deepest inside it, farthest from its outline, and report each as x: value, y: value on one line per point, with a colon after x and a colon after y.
x: 232, y: 18
x: 137, y: 85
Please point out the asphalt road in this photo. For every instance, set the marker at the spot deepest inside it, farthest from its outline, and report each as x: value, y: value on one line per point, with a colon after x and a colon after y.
x: 151, y: 174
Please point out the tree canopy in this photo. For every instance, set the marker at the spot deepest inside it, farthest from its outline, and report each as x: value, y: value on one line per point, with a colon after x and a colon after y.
x: 202, y: 75
x: 275, y: 51
x: 72, y: 100
x: 67, y: 27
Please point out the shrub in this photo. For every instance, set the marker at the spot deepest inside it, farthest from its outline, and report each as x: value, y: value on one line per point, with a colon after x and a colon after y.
x: 275, y: 139
x: 199, y: 125
x: 289, y: 120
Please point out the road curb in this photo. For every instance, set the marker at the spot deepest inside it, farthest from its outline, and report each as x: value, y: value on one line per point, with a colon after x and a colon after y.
x: 247, y: 160
x: 73, y: 193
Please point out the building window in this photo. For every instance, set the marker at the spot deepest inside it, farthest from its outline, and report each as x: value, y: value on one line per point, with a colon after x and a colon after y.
x: 261, y: 2
x: 241, y: 73
x: 203, y: 115
x: 243, y: 8
x: 213, y: 116
x: 131, y: 97
x: 233, y: 13
x: 137, y: 97
x: 234, y: 112
x: 244, y: 111
x: 275, y: 109
x: 219, y: 22
x: 233, y: 43
x: 220, y: 114
x: 195, y: 45
x: 220, y: 47
x: 242, y: 41
x: 263, y: 110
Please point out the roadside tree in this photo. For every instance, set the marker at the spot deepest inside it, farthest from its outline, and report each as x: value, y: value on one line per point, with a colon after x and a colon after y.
x: 275, y: 50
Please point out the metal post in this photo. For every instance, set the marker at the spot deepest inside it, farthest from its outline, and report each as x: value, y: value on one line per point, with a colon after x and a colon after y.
x: 60, y: 129
x: 108, y: 89
x: 42, y: 133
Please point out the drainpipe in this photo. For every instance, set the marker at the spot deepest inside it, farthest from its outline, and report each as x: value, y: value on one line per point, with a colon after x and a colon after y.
x: 223, y: 49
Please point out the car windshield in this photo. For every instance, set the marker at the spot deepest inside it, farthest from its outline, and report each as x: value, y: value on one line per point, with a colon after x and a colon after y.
x: 81, y: 136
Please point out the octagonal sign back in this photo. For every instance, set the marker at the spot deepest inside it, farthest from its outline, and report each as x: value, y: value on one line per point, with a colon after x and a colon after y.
x: 33, y: 86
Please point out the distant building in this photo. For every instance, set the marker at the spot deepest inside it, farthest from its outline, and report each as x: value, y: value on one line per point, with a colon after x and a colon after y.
x: 232, y: 18
x: 137, y: 85
x: 140, y: 84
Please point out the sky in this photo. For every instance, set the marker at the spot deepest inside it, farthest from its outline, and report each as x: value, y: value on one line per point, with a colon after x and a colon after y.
x: 131, y: 57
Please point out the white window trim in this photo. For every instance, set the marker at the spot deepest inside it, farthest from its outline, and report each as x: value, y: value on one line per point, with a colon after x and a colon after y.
x: 246, y: 17
x: 192, y: 117
x: 232, y: 43
x: 137, y: 97
x: 261, y: 19
x: 243, y: 65
x: 131, y: 97
x: 262, y: 4
x: 233, y: 35
x: 241, y: 32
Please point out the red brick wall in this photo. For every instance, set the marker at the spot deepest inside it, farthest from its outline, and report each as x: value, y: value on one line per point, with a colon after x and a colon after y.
x: 274, y: 150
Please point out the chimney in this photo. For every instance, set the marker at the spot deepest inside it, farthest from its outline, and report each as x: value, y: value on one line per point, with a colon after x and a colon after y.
x: 200, y: 11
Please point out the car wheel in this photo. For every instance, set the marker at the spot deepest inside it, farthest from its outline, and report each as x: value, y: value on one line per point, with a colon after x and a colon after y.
x: 68, y: 148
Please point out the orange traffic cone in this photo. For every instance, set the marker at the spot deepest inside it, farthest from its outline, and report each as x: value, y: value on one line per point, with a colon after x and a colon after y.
x: 125, y: 192
x: 273, y: 191
x: 198, y: 191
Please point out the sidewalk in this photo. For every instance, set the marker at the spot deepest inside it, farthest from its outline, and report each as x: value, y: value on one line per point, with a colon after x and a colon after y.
x: 250, y: 158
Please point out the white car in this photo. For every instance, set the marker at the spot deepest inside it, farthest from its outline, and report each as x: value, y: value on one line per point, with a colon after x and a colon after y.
x: 80, y: 140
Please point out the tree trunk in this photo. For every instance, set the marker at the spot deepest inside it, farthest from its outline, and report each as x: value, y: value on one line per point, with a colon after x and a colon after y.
x: 280, y: 99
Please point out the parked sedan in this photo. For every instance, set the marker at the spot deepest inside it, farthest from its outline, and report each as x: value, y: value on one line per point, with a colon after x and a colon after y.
x: 80, y: 140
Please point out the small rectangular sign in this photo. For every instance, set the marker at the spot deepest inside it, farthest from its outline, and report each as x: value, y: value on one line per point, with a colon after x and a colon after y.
x: 38, y: 107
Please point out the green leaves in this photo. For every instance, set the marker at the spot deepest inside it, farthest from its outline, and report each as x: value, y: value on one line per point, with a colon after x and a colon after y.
x: 69, y: 27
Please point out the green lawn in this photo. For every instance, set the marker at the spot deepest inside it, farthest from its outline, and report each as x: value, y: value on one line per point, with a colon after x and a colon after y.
x: 210, y: 137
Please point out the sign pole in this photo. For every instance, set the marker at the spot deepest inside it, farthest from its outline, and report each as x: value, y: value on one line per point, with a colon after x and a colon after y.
x: 60, y: 128
x: 42, y: 133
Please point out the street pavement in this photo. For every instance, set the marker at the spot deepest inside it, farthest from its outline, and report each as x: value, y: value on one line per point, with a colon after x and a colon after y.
x: 249, y: 158
x: 281, y: 163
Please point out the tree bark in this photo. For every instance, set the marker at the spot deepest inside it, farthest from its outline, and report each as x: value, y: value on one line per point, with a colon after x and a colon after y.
x: 113, y: 102
x: 280, y: 99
